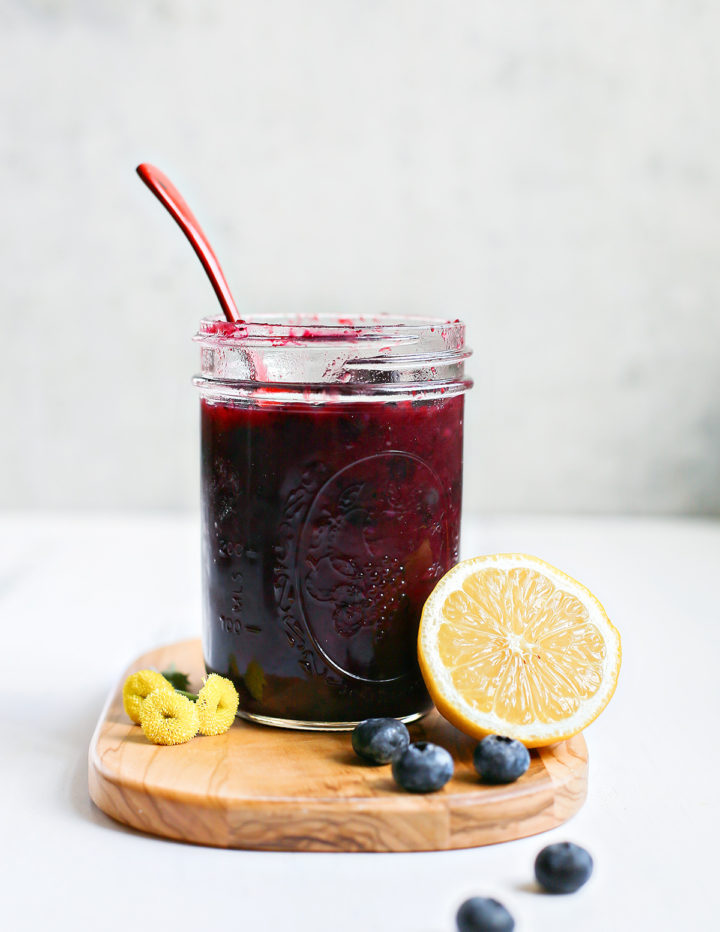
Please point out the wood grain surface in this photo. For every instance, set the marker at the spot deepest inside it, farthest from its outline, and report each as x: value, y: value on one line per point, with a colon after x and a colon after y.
x: 269, y: 789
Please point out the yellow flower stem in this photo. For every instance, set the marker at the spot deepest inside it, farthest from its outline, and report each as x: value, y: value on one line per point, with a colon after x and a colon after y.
x: 182, y: 692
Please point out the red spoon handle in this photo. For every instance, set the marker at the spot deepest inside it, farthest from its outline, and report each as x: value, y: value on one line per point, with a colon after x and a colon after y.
x: 169, y: 196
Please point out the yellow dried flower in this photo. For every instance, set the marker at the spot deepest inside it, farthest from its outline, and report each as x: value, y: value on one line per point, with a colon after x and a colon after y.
x: 138, y: 687
x: 217, y: 704
x: 168, y: 718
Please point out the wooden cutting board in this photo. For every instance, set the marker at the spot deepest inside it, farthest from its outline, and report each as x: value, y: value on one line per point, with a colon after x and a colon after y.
x: 276, y: 790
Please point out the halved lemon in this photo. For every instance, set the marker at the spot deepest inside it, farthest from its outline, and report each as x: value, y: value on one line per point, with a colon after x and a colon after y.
x: 510, y: 645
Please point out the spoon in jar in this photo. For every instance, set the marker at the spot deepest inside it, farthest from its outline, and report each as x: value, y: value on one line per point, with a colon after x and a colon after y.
x: 171, y: 199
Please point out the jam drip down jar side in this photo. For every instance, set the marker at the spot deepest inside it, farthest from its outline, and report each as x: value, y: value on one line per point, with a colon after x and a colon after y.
x: 331, y: 490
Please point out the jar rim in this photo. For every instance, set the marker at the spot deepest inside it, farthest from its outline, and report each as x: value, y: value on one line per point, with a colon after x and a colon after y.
x: 303, y: 329
x: 350, y: 356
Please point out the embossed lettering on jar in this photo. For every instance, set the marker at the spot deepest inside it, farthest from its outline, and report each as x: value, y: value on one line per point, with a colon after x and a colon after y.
x: 332, y: 480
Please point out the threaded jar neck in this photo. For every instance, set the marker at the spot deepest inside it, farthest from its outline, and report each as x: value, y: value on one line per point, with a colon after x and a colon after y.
x: 323, y: 357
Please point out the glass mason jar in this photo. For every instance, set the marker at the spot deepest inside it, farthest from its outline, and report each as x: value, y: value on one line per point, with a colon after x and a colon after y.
x: 331, y: 489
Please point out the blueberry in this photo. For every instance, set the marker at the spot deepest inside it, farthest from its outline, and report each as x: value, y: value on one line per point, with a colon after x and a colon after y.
x: 500, y: 760
x: 423, y: 768
x: 483, y: 915
x: 563, y: 868
x: 378, y: 740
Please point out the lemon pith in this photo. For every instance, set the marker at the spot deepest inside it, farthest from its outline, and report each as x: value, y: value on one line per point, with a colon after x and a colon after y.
x: 511, y: 645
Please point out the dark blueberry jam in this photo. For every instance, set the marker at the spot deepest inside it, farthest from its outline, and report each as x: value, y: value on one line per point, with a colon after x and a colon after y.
x: 325, y: 529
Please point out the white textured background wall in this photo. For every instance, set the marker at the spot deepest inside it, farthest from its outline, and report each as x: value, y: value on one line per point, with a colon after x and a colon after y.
x: 547, y: 169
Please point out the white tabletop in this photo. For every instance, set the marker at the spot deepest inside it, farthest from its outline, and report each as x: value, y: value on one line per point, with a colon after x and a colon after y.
x: 81, y: 597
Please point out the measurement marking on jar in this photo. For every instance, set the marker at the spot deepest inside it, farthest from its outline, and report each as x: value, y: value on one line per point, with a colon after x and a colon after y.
x: 237, y: 600
x: 231, y: 625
